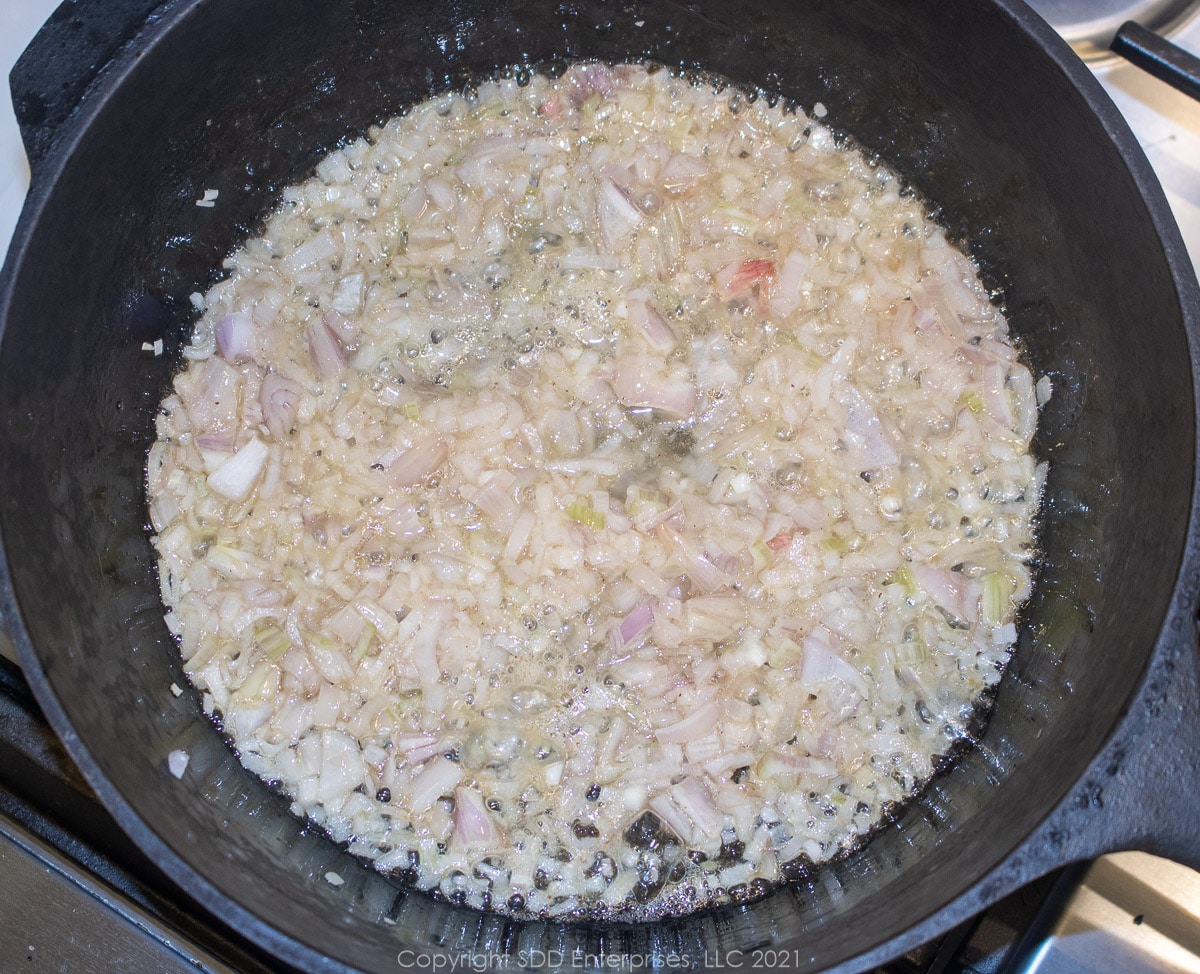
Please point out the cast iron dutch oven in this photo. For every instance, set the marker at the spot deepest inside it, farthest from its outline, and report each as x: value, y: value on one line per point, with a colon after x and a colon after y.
x: 131, y: 110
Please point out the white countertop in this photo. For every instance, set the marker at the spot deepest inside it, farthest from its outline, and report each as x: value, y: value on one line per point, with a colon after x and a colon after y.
x: 19, y: 21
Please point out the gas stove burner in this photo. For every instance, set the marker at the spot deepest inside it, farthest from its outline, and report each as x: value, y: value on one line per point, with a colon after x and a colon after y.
x: 1089, y: 25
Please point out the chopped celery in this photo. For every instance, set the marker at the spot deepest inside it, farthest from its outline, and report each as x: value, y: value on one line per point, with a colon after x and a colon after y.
x: 272, y: 641
x: 319, y: 641
x: 903, y: 576
x: 974, y: 402
x: 583, y: 512
x: 412, y: 410
x: 910, y: 651
x: 997, y: 597
x: 836, y: 543
x: 364, y: 642
x: 764, y: 557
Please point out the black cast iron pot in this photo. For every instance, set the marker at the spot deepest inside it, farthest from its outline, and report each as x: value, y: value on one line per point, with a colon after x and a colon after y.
x: 131, y: 110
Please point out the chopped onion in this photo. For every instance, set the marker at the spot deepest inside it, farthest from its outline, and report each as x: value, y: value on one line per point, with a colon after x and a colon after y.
x: 696, y: 725
x: 683, y: 172
x: 177, y: 762
x: 994, y: 396
x: 636, y: 385
x: 742, y: 276
x: 821, y: 663
x: 948, y: 589
x: 437, y: 778
x: 786, y: 763
x: 235, y: 337
x: 279, y: 399
x: 342, y: 765
x: 220, y: 441
x: 616, y: 213
x: 786, y: 288
x: 419, y: 461
x: 326, y: 351
x: 235, y: 478
x: 693, y: 796
x: 865, y: 427
x: 633, y: 625
x: 652, y: 325
x: 473, y: 826
x: 591, y: 79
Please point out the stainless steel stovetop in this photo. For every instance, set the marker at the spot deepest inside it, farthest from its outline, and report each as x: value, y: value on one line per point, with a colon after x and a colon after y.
x: 75, y: 896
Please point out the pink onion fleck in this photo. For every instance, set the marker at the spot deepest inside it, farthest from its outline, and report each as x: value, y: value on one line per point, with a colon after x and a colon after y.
x: 279, y: 399
x: 633, y: 625
x: 219, y: 441
x: 235, y: 337
x: 419, y: 461
x: 325, y: 349
x: 616, y: 213
x: 652, y: 325
x: 473, y: 826
x: 951, y: 590
x: 693, y: 727
x: 821, y: 663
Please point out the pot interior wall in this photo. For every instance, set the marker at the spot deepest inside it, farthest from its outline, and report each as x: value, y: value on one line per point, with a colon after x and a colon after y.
x: 244, y: 98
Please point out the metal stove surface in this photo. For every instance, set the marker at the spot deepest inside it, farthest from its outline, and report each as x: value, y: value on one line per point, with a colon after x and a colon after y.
x: 76, y: 896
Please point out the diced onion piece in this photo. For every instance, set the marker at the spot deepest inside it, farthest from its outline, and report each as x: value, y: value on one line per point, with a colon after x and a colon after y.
x: 177, y: 762
x: 694, y: 726
x: 786, y: 288
x: 683, y: 172
x: 272, y: 641
x: 220, y: 441
x: 865, y: 427
x: 235, y: 337
x: 994, y: 396
x: 948, y: 589
x: 325, y: 349
x: 633, y: 625
x: 419, y: 461
x: 778, y: 763
x: 437, y: 778
x: 342, y: 766
x: 473, y: 826
x: 741, y: 277
x: 821, y: 663
x: 616, y: 213
x: 652, y: 326
x: 693, y: 796
x: 279, y: 399
x: 235, y: 478
x: 639, y: 386
x: 583, y: 512
x: 327, y: 657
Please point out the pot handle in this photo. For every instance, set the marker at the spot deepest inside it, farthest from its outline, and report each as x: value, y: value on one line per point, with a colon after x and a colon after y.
x: 52, y: 76
x: 1159, y: 57
x: 1142, y: 791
